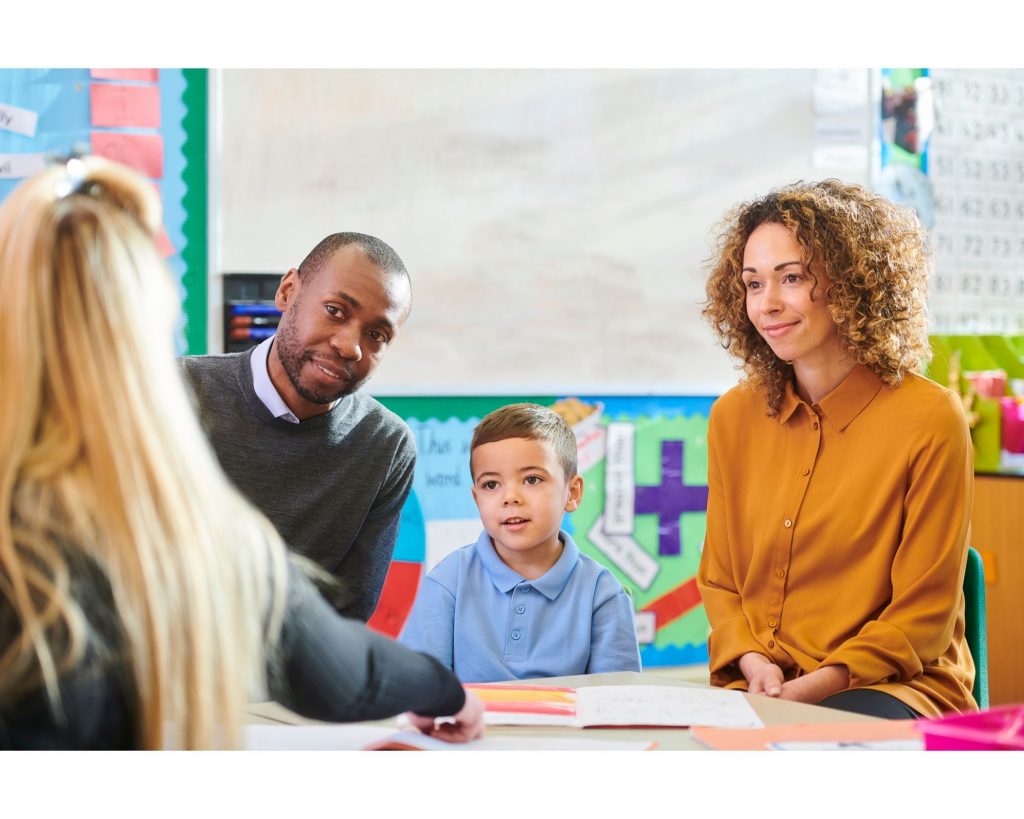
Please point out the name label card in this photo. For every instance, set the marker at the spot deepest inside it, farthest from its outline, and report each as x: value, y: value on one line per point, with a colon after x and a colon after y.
x: 18, y: 120
x: 19, y: 166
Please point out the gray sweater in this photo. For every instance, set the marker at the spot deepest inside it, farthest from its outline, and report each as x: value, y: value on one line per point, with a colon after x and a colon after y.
x: 333, y: 485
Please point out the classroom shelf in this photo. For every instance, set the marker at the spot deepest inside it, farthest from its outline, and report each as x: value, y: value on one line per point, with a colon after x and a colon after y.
x: 250, y: 315
x: 997, y: 531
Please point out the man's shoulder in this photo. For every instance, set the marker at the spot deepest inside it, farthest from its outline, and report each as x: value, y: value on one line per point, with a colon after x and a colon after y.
x: 201, y: 368
x: 380, y: 420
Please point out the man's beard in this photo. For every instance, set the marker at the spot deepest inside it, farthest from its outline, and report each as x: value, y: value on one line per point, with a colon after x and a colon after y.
x: 292, y: 357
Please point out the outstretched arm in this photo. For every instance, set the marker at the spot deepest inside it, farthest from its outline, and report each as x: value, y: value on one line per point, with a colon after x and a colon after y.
x: 333, y: 668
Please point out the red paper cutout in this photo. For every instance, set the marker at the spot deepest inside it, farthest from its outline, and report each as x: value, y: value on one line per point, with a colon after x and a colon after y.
x: 143, y: 152
x: 125, y: 106
x: 144, y: 74
x: 675, y: 603
x: 396, y: 597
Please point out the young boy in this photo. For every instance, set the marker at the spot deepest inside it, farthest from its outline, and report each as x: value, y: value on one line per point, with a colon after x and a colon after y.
x: 523, y: 601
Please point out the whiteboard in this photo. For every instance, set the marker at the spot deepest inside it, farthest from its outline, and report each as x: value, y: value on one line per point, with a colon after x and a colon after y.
x: 555, y: 223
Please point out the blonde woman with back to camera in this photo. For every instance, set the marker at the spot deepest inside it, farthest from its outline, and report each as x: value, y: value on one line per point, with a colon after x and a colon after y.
x: 143, y: 601
x: 840, y: 480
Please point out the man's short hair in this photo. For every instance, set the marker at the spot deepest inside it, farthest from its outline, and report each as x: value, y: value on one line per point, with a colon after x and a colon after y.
x: 379, y: 252
x: 533, y: 422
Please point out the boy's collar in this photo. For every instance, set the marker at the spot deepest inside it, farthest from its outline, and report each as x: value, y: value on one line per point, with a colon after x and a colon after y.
x: 550, y: 584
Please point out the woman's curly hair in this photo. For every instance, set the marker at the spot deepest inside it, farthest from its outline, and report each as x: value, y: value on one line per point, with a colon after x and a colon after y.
x: 876, y: 258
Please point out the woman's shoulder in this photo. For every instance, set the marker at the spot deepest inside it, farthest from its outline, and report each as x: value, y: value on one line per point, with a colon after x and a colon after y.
x: 742, y: 401
x: 927, y: 407
x: 929, y: 396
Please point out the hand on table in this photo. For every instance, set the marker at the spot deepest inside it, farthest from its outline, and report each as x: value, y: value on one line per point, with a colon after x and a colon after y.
x: 468, y: 724
x: 763, y: 676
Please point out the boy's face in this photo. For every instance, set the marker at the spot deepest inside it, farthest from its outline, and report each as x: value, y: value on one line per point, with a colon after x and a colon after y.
x: 520, y: 489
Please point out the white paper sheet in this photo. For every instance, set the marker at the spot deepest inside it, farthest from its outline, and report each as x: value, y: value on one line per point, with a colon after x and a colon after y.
x: 656, y: 705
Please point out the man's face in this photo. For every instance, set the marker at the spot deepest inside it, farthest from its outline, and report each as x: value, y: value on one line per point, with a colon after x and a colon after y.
x: 334, y: 329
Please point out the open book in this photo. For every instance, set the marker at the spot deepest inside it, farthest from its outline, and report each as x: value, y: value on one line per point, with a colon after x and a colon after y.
x: 607, y: 706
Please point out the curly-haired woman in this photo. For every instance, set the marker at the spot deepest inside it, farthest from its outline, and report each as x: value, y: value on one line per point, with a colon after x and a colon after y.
x: 840, y: 480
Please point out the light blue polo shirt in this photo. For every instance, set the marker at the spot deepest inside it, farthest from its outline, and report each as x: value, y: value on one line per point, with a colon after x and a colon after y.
x: 488, y: 623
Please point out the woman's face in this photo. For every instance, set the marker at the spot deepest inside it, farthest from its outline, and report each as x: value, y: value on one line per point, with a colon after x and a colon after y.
x: 784, y: 302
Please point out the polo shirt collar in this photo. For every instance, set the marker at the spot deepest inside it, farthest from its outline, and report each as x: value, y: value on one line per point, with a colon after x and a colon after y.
x: 844, y: 403
x: 550, y: 584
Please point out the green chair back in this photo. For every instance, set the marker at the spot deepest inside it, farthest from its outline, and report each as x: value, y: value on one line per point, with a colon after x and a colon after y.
x: 974, y: 616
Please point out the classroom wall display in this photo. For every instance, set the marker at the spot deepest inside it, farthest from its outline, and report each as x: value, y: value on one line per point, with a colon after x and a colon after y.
x: 555, y: 222
x: 644, y: 465
x: 953, y: 148
x: 153, y: 120
x: 977, y: 169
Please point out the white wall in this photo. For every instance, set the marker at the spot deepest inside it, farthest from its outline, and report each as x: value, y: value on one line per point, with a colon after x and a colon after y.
x: 554, y: 222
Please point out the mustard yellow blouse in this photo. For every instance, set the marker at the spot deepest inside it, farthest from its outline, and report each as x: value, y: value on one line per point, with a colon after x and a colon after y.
x: 837, y: 535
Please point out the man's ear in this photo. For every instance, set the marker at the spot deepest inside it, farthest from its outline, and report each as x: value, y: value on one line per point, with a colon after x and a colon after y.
x: 287, y: 290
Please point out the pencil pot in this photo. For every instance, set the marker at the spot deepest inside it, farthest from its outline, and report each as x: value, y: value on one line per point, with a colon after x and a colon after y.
x: 997, y: 729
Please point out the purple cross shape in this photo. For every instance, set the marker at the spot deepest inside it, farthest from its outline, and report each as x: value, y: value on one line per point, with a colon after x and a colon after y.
x: 670, y: 498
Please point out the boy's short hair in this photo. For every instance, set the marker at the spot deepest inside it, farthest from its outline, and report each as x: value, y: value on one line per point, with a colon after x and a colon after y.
x: 533, y: 422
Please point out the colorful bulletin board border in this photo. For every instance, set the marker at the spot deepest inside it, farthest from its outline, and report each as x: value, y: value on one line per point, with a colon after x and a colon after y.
x: 644, y: 465
x: 151, y: 119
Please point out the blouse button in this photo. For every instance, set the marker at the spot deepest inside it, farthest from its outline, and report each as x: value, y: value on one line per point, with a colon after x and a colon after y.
x: 814, y: 425
x: 520, y: 609
x: 780, y: 573
x: 516, y: 635
x: 771, y: 623
x: 788, y: 523
x: 771, y: 644
x: 806, y: 472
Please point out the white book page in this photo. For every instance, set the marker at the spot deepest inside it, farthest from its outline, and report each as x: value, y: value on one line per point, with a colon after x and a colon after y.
x: 657, y: 705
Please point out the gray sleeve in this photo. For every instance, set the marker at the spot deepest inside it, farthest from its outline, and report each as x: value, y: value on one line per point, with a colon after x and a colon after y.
x: 362, y: 571
x: 331, y: 668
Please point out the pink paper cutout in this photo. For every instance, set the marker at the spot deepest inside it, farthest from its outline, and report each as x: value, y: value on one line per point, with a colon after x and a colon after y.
x: 144, y: 74
x: 163, y: 244
x: 143, y: 152
x: 125, y: 106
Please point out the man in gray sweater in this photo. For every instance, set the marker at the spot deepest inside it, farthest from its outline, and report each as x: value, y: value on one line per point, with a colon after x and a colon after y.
x: 328, y: 465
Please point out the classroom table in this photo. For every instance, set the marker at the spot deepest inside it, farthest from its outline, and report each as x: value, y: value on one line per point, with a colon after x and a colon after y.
x: 771, y: 711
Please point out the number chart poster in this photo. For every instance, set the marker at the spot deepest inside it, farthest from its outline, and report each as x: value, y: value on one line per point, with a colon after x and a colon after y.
x: 953, y: 147
x: 644, y: 466
x: 977, y: 169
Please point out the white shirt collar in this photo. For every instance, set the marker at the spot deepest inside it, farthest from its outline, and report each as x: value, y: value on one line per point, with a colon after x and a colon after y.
x: 265, y: 389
